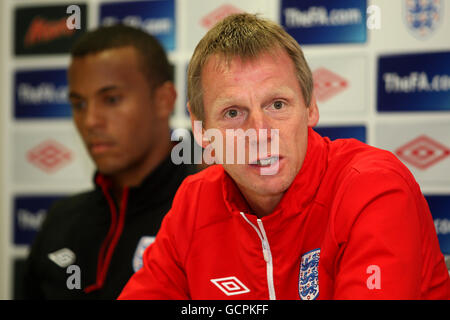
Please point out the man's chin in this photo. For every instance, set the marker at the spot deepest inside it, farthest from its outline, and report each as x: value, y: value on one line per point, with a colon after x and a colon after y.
x: 107, y: 169
x: 272, y: 187
x: 263, y: 185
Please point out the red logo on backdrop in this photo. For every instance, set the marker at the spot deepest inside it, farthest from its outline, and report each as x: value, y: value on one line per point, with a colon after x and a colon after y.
x: 42, y: 30
x: 327, y: 84
x: 423, y: 152
x: 218, y: 14
x: 49, y: 156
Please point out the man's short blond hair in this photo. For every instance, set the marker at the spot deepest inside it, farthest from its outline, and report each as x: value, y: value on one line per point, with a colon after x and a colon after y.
x: 245, y: 36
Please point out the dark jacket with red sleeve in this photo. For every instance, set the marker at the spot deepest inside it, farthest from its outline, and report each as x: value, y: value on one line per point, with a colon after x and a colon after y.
x: 102, y: 236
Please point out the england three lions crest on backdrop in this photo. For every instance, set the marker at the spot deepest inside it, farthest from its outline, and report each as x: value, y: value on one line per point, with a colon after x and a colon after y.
x: 422, y: 17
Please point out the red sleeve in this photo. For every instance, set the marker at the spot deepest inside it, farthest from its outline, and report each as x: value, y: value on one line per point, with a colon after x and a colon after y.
x: 377, y: 228
x: 162, y: 275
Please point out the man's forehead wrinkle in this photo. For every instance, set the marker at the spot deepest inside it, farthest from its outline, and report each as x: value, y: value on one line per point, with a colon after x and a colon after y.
x: 223, y: 61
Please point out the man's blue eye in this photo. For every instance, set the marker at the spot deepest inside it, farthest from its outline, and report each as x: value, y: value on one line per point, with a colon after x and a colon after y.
x: 278, y: 105
x: 233, y: 113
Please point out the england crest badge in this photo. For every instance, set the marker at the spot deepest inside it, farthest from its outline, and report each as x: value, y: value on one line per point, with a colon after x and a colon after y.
x: 423, y: 16
x: 144, y: 242
x: 308, y: 282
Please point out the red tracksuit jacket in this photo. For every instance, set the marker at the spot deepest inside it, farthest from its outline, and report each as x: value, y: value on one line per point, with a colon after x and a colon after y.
x: 353, y: 225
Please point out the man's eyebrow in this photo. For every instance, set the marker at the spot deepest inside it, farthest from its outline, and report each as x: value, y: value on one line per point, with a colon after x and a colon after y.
x: 281, y: 90
x: 75, y: 95
x: 227, y: 100
x: 107, y: 88
x: 232, y: 100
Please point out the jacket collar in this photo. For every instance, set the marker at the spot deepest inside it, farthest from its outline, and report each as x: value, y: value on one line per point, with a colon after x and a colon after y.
x: 157, y: 187
x: 302, y: 190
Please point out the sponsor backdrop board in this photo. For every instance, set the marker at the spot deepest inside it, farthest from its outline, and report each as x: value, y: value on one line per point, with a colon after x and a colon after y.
x: 381, y: 73
x: 29, y: 213
x: 156, y: 17
x: 340, y: 85
x: 409, y: 25
x: 324, y: 21
x: 414, y: 82
x: 440, y: 208
x: 48, y: 157
x: 41, y: 94
x: 343, y: 132
x: 201, y: 15
x: 42, y: 29
x: 423, y: 146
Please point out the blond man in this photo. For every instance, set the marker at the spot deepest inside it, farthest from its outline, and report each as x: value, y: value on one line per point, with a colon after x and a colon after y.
x: 335, y: 220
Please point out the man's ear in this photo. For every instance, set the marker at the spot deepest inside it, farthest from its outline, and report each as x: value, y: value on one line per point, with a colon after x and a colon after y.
x: 165, y: 96
x: 313, y: 112
x: 197, y: 128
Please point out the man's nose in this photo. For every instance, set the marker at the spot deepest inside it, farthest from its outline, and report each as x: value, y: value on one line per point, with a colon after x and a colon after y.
x: 260, y: 122
x: 94, y: 116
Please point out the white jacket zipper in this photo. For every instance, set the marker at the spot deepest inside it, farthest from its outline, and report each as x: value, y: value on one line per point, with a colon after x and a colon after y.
x: 266, y: 253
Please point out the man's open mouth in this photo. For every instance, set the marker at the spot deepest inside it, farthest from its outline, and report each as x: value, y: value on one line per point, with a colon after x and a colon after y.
x: 265, y: 162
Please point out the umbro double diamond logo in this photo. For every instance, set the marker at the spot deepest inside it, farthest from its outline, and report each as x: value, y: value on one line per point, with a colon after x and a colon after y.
x: 62, y: 257
x: 230, y: 286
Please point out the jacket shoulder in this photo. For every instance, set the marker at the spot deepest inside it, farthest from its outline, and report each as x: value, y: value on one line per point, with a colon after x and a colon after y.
x: 350, y: 156
x: 209, y: 175
x: 63, y: 219
x: 72, y: 207
x: 200, y: 198
x: 357, y: 174
x: 206, y: 182
x: 360, y: 177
